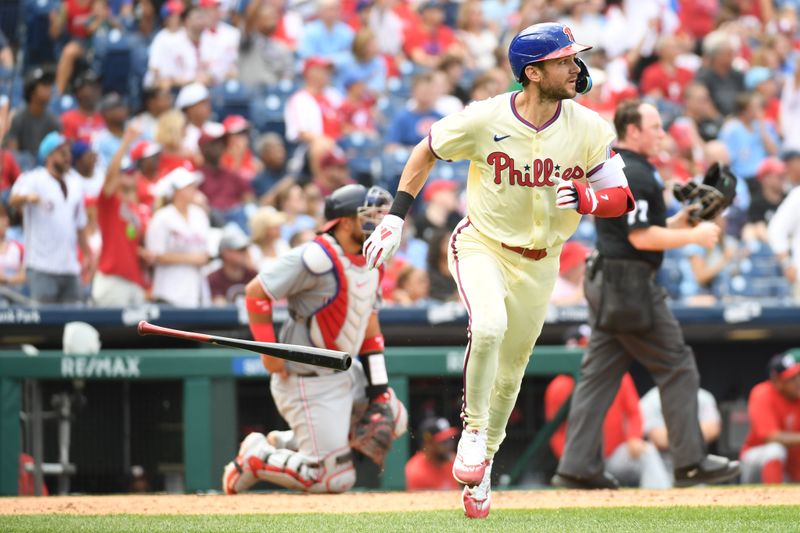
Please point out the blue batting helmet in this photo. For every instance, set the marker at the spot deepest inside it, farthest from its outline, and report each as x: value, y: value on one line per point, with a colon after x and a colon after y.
x: 548, y: 40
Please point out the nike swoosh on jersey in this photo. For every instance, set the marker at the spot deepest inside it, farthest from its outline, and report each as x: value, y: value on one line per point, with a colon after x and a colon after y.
x: 498, y: 138
x: 604, y: 196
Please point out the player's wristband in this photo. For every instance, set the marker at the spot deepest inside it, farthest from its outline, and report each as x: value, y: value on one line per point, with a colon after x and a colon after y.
x: 375, y: 369
x: 374, y: 364
x: 402, y: 204
x: 262, y: 330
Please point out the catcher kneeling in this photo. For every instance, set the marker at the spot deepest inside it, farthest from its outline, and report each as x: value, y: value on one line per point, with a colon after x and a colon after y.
x: 333, y: 300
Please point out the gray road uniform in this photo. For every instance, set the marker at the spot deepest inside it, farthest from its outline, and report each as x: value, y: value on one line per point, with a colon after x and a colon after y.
x: 331, y: 296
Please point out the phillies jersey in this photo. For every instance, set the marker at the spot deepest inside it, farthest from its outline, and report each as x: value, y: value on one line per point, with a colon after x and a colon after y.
x: 515, y: 166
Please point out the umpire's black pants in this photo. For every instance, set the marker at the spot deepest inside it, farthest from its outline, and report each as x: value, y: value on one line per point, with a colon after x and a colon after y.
x: 662, y: 350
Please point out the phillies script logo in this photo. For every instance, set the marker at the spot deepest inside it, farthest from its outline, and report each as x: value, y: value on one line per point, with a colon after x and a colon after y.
x: 536, y: 175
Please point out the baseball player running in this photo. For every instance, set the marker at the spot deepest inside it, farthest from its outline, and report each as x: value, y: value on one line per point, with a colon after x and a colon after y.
x: 538, y: 162
x: 333, y: 299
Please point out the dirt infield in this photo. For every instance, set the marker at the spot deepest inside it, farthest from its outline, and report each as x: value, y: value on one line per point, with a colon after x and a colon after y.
x: 393, y: 501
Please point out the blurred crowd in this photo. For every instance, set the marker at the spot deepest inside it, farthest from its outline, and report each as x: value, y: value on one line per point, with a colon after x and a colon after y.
x: 193, y: 142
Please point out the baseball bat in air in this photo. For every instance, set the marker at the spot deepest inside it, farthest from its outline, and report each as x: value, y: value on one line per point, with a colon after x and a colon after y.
x: 291, y: 352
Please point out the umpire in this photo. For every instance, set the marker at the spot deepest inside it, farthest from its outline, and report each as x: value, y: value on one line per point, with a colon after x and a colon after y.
x: 631, y: 320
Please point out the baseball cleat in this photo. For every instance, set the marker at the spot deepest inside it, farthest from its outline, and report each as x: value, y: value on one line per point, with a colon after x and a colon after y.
x: 712, y: 469
x: 470, y: 463
x: 239, y: 474
x: 231, y: 475
x: 477, y: 501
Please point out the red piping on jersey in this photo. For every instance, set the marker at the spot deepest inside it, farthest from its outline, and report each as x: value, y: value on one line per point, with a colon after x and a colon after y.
x: 595, y: 169
x: 310, y: 421
x: 519, y: 117
x: 331, y: 316
x: 430, y: 147
x: 469, y: 314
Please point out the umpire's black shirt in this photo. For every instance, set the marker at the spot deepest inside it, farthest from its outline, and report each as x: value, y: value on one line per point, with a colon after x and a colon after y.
x: 650, y: 210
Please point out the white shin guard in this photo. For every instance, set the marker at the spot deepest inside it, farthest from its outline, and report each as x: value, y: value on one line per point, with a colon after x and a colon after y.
x: 293, y: 470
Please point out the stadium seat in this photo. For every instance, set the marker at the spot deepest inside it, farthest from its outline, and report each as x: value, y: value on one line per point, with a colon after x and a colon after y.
x: 10, y: 20
x: 113, y: 60
x: 455, y: 171
x: 6, y: 81
x: 285, y: 87
x: 363, y: 156
x: 670, y: 277
x: 39, y: 47
x: 60, y: 104
x: 140, y: 55
x: 391, y: 167
x: 231, y: 98
x: 759, y: 249
x: 759, y: 288
x: 16, y: 91
x: 266, y: 113
x: 395, y: 86
x: 766, y: 266
x: 778, y: 287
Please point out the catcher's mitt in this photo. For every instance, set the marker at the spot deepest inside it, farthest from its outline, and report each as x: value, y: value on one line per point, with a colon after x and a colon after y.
x: 384, y: 420
x: 712, y: 196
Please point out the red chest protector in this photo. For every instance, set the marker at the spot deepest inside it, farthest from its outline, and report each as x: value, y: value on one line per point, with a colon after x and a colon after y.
x: 340, y: 324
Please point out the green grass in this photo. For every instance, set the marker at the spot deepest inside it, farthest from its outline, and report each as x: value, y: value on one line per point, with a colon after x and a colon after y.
x: 636, y: 519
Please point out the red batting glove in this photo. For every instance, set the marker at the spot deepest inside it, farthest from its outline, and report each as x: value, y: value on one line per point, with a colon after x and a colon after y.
x: 606, y: 203
x: 576, y: 195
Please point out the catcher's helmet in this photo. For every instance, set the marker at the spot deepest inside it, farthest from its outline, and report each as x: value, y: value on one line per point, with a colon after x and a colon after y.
x: 546, y: 40
x: 712, y: 196
x: 369, y: 204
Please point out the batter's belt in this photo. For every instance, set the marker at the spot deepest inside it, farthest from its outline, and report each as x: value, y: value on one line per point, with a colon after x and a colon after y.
x: 527, y: 253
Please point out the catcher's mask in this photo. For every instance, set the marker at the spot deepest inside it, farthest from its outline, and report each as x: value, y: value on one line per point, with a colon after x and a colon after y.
x: 716, y: 192
x: 370, y: 205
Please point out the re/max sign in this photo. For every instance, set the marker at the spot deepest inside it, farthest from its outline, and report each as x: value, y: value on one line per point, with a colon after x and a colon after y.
x: 100, y: 367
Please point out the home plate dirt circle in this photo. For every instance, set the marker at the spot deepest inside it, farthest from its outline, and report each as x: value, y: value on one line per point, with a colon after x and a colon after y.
x: 361, y: 502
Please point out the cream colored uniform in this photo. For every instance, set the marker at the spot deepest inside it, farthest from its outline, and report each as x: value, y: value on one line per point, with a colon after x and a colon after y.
x: 511, y: 200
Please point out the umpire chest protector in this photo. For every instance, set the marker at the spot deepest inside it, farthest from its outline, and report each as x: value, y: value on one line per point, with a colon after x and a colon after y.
x: 341, y: 322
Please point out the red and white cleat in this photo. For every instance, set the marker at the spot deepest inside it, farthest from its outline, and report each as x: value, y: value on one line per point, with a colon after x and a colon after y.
x: 239, y: 474
x: 477, y: 501
x: 470, y: 463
